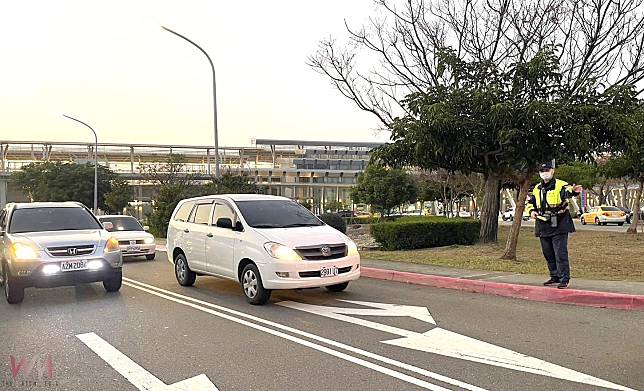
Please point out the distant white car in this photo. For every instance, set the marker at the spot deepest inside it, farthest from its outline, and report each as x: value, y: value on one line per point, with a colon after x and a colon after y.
x: 134, y: 240
x: 509, y: 215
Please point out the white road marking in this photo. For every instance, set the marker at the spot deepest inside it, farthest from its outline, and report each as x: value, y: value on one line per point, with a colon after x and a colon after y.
x: 136, y: 374
x: 203, y: 306
x: 451, y: 344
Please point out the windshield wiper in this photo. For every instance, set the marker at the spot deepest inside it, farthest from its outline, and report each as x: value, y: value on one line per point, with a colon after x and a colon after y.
x: 265, y: 226
x: 301, y: 225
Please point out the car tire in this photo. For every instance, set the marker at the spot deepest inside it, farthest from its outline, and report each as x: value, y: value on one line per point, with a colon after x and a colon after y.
x: 620, y: 224
x: 597, y: 221
x: 583, y: 221
x: 185, y: 276
x: 13, y: 291
x: 113, y: 284
x: 150, y: 257
x: 338, y: 287
x: 253, y: 287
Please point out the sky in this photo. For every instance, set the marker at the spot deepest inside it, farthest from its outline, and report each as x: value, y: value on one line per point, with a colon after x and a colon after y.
x: 110, y: 64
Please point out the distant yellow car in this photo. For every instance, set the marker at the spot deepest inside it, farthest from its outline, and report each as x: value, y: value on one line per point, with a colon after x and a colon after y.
x: 603, y: 215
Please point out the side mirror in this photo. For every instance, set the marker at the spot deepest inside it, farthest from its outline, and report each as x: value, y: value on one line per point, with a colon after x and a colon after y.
x: 225, y: 222
x: 239, y: 227
x: 146, y: 228
x: 108, y: 226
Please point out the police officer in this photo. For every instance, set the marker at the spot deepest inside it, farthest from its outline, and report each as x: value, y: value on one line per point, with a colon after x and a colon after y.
x: 548, y: 206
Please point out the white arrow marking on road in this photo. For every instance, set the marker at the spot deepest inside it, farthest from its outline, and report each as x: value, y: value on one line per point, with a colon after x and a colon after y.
x: 136, y: 374
x: 448, y: 343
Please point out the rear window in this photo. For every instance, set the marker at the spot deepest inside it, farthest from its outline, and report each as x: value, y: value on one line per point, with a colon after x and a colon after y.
x: 51, y: 219
x: 184, y: 211
x: 123, y: 223
x: 610, y: 209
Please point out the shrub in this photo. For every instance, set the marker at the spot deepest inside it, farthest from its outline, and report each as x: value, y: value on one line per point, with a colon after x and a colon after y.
x: 414, y: 233
x: 335, y: 221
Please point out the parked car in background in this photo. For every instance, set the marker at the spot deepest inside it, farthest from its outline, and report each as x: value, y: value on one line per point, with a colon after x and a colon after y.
x: 603, y: 215
x: 134, y: 240
x: 49, y: 244
x: 345, y: 213
x: 263, y: 242
x: 509, y: 215
x: 629, y: 213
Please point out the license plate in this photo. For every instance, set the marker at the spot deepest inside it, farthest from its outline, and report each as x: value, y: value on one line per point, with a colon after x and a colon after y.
x: 69, y: 266
x: 133, y: 248
x: 329, y: 271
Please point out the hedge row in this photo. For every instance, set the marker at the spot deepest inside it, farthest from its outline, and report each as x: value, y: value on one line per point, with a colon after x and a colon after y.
x: 414, y: 233
x: 334, y: 221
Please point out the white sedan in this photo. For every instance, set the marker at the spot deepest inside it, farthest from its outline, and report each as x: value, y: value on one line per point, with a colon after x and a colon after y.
x: 134, y: 240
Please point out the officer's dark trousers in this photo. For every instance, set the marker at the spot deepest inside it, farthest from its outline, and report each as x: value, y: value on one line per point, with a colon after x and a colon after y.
x: 555, y: 249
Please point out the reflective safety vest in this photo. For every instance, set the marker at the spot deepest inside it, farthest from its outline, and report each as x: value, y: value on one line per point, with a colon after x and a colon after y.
x: 556, y: 198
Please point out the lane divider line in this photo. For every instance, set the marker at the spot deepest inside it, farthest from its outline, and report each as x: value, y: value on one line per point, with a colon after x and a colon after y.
x: 202, y: 306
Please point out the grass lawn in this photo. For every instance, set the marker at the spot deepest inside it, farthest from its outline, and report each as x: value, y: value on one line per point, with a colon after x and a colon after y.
x: 593, y: 255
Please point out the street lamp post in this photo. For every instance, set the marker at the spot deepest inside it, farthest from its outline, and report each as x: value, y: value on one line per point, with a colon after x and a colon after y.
x: 95, y: 161
x: 214, y: 96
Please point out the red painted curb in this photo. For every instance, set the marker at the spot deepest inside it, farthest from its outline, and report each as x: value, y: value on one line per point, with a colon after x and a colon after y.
x: 525, y: 292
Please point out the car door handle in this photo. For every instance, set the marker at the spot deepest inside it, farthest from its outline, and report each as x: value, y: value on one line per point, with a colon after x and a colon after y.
x: 186, y: 230
x: 209, y: 235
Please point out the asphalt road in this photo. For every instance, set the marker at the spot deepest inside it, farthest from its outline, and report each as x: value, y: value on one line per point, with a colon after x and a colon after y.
x: 155, y: 332
x: 579, y: 226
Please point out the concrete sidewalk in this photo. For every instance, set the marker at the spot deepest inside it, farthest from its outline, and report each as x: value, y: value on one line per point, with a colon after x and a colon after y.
x: 628, y: 287
x: 604, y: 294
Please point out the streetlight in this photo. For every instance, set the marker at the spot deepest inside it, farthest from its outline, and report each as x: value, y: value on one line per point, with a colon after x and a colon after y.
x: 95, y: 161
x: 214, y: 96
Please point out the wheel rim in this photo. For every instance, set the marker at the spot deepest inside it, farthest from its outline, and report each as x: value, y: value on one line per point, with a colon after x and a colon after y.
x: 6, y: 287
x: 250, y: 284
x: 181, y: 270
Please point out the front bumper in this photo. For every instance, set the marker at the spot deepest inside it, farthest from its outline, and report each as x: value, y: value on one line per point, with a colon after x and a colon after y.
x: 144, y: 249
x: 305, y: 274
x: 30, y: 273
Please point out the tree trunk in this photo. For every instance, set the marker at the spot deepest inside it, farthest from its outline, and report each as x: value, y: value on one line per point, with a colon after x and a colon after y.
x: 490, y: 210
x: 636, y: 209
x: 513, y: 237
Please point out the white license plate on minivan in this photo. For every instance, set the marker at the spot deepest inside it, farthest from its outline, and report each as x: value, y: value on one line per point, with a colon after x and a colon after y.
x: 69, y: 266
x: 133, y: 247
x: 329, y: 271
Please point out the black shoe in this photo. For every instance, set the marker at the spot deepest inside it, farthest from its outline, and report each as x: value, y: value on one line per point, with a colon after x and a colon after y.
x: 562, y: 285
x: 551, y: 281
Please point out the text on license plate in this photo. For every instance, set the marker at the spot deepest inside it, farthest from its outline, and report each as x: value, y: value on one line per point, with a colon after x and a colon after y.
x: 68, y: 266
x: 329, y: 271
x: 133, y: 248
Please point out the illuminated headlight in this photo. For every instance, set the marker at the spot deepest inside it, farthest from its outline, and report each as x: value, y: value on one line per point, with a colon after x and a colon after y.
x: 352, y: 248
x: 112, y: 245
x: 148, y: 240
x: 94, y: 265
x: 23, y: 251
x: 282, y: 252
x: 50, y: 269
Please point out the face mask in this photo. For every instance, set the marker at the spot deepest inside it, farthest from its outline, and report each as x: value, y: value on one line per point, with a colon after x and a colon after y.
x: 546, y: 176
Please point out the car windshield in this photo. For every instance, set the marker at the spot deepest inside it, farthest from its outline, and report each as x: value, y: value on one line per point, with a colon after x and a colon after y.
x: 610, y: 209
x: 51, y: 219
x: 276, y: 214
x: 124, y: 223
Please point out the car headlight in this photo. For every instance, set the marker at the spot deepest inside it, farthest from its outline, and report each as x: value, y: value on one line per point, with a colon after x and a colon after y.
x: 148, y: 240
x: 23, y: 251
x: 112, y: 245
x: 352, y: 248
x: 281, y: 252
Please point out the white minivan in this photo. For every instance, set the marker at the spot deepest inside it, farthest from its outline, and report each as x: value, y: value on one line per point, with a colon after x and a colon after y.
x: 263, y: 242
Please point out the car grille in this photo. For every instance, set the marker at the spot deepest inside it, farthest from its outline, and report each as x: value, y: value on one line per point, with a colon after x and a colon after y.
x: 71, y: 251
x: 127, y: 242
x: 316, y: 273
x: 314, y: 253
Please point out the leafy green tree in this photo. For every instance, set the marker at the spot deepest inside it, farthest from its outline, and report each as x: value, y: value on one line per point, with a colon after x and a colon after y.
x: 164, y: 204
x: 172, y: 171
x: 334, y: 206
x: 58, y: 181
x: 384, y: 188
x: 231, y: 184
x: 591, y: 176
x: 119, y: 197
